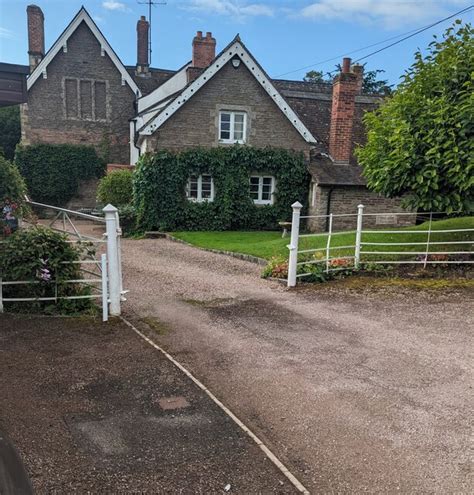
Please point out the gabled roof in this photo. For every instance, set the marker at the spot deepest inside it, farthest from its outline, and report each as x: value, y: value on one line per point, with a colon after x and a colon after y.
x: 235, y: 49
x: 61, y: 44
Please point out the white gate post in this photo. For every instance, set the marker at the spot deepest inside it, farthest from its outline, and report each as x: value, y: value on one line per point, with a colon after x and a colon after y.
x: 113, y: 258
x: 360, y: 214
x: 293, y: 246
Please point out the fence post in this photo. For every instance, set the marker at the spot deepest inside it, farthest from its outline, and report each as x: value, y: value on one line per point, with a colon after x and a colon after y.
x: 113, y: 271
x: 328, y: 243
x: 1, y: 296
x: 360, y: 214
x: 293, y: 246
x: 105, y: 296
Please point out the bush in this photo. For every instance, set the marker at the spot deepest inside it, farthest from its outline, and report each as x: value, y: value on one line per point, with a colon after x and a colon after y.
x: 52, y: 171
x: 10, y: 130
x: 160, y: 181
x: 12, y: 185
x: 38, y: 254
x: 116, y: 188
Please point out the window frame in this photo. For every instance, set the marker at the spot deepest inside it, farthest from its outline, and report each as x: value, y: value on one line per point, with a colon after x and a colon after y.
x: 231, y: 139
x: 199, y: 198
x: 78, y: 116
x: 261, y: 177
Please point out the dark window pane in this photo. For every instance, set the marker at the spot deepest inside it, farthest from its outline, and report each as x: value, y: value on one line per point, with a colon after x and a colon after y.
x: 225, y: 117
x: 86, y: 99
x: 71, y: 98
x: 100, y: 101
x: 225, y: 134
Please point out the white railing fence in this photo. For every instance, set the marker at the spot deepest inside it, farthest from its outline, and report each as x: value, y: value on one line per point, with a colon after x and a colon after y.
x: 102, y: 274
x: 342, y: 249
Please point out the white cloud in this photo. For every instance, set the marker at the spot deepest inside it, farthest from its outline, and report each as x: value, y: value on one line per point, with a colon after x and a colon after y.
x: 114, y: 5
x: 389, y: 13
x: 6, y: 33
x: 235, y: 8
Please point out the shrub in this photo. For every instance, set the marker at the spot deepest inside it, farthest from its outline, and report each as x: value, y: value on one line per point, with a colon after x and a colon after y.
x: 160, y: 181
x: 38, y: 254
x: 10, y: 130
x: 12, y: 185
x: 116, y: 188
x: 52, y: 171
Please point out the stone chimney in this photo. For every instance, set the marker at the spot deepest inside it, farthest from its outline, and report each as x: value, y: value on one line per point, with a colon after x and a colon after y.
x: 142, y: 45
x: 204, y: 50
x: 346, y: 86
x: 35, y: 35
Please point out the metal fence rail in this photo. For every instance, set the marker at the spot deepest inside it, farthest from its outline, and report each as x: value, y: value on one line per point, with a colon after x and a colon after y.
x: 427, y: 248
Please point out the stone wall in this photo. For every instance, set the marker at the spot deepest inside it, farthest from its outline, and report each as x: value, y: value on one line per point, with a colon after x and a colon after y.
x: 345, y: 199
x: 51, y: 117
x: 196, y: 123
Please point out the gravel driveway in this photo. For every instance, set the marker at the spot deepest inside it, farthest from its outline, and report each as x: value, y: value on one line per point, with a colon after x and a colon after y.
x: 354, y: 392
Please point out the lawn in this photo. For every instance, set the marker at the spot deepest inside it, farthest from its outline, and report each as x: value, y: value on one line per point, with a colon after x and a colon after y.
x: 265, y: 244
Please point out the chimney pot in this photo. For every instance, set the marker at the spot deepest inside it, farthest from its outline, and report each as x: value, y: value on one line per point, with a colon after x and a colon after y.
x: 199, y: 34
x: 35, y: 19
x: 142, y: 45
x: 346, y: 65
x: 208, y: 35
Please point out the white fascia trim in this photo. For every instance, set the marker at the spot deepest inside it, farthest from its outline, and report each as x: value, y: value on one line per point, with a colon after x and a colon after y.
x: 170, y: 87
x: 82, y: 15
x: 239, y: 50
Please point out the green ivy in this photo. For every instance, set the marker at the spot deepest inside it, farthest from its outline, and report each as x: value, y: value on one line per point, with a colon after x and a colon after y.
x: 160, y: 181
x: 52, y: 171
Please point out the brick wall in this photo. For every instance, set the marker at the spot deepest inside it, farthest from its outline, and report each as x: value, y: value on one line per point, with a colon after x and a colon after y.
x: 345, y: 199
x: 45, y: 116
x: 196, y: 123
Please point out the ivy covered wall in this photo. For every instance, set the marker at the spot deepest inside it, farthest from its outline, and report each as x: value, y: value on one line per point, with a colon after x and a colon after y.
x: 160, y: 188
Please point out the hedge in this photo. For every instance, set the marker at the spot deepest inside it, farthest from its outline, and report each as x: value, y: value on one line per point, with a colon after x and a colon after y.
x: 52, y: 171
x: 116, y: 188
x: 12, y: 185
x: 160, y: 181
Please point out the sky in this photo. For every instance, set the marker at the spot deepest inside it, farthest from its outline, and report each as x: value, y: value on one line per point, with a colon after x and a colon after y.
x: 288, y: 37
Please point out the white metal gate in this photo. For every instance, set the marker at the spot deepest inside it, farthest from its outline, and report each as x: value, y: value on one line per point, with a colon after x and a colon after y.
x: 102, y: 272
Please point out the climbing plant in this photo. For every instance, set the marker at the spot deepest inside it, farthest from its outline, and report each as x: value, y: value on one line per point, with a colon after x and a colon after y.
x: 160, y: 184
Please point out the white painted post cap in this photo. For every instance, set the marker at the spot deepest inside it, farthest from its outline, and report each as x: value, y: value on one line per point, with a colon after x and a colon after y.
x: 109, y: 209
x: 297, y: 204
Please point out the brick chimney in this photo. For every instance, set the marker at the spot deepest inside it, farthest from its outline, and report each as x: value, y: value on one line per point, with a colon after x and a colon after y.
x: 346, y: 86
x: 142, y: 45
x: 35, y: 35
x: 204, y: 50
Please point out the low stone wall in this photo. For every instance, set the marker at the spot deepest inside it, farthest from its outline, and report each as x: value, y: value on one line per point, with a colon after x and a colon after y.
x: 345, y: 199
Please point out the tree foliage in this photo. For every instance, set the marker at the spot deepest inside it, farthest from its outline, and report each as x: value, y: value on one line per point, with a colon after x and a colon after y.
x: 420, y: 141
x: 160, y: 182
x: 371, y: 83
x: 53, y: 171
x: 10, y: 130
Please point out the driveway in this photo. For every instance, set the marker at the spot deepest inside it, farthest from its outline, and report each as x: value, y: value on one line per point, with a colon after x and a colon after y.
x: 355, y: 392
x: 93, y: 408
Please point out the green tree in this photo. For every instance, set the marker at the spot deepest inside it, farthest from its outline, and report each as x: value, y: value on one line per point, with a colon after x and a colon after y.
x: 10, y: 130
x: 12, y: 185
x: 420, y: 141
x: 371, y: 83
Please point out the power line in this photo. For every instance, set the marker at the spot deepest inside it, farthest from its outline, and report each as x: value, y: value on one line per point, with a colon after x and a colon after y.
x: 406, y: 35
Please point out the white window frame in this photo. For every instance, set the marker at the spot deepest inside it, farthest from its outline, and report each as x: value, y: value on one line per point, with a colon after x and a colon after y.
x: 199, y: 198
x: 231, y: 139
x: 261, y: 201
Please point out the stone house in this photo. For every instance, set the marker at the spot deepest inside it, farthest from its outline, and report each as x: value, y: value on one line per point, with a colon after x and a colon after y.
x: 80, y: 92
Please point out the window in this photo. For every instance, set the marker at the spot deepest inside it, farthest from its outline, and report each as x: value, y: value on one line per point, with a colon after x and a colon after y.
x: 200, y: 188
x: 85, y: 99
x: 232, y: 127
x: 262, y: 189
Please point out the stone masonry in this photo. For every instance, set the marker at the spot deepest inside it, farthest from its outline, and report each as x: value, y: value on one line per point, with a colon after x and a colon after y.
x: 49, y: 117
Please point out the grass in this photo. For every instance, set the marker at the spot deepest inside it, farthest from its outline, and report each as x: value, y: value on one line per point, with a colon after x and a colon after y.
x: 266, y: 245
